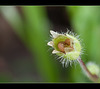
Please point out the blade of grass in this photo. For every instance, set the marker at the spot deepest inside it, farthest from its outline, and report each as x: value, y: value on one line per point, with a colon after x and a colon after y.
x: 37, y: 33
x: 11, y: 14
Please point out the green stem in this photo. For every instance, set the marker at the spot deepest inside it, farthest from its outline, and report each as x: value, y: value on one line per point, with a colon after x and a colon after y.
x: 93, y: 77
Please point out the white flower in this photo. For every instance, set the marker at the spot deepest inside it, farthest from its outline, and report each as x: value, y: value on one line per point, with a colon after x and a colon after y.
x: 66, y: 46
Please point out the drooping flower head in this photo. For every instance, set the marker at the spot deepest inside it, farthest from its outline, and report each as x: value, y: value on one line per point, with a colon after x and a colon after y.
x: 67, y: 46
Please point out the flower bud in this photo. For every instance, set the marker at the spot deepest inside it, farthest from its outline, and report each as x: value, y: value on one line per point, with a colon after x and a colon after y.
x: 93, y: 68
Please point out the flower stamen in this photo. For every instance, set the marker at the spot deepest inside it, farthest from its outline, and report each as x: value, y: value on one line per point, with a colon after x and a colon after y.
x: 65, y: 46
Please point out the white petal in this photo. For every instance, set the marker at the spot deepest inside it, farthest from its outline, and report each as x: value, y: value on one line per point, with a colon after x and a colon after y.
x: 54, y: 34
x: 50, y: 43
x: 55, y: 51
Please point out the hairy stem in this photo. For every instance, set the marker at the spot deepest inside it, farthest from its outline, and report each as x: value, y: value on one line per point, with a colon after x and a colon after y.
x: 88, y: 73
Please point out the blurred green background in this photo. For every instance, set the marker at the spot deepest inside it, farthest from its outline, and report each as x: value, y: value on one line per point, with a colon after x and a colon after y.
x: 24, y: 33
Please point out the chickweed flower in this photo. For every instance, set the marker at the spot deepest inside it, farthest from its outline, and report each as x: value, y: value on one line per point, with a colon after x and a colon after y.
x: 67, y: 46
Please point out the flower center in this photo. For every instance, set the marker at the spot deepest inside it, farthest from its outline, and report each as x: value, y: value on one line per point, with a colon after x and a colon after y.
x: 66, y: 46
